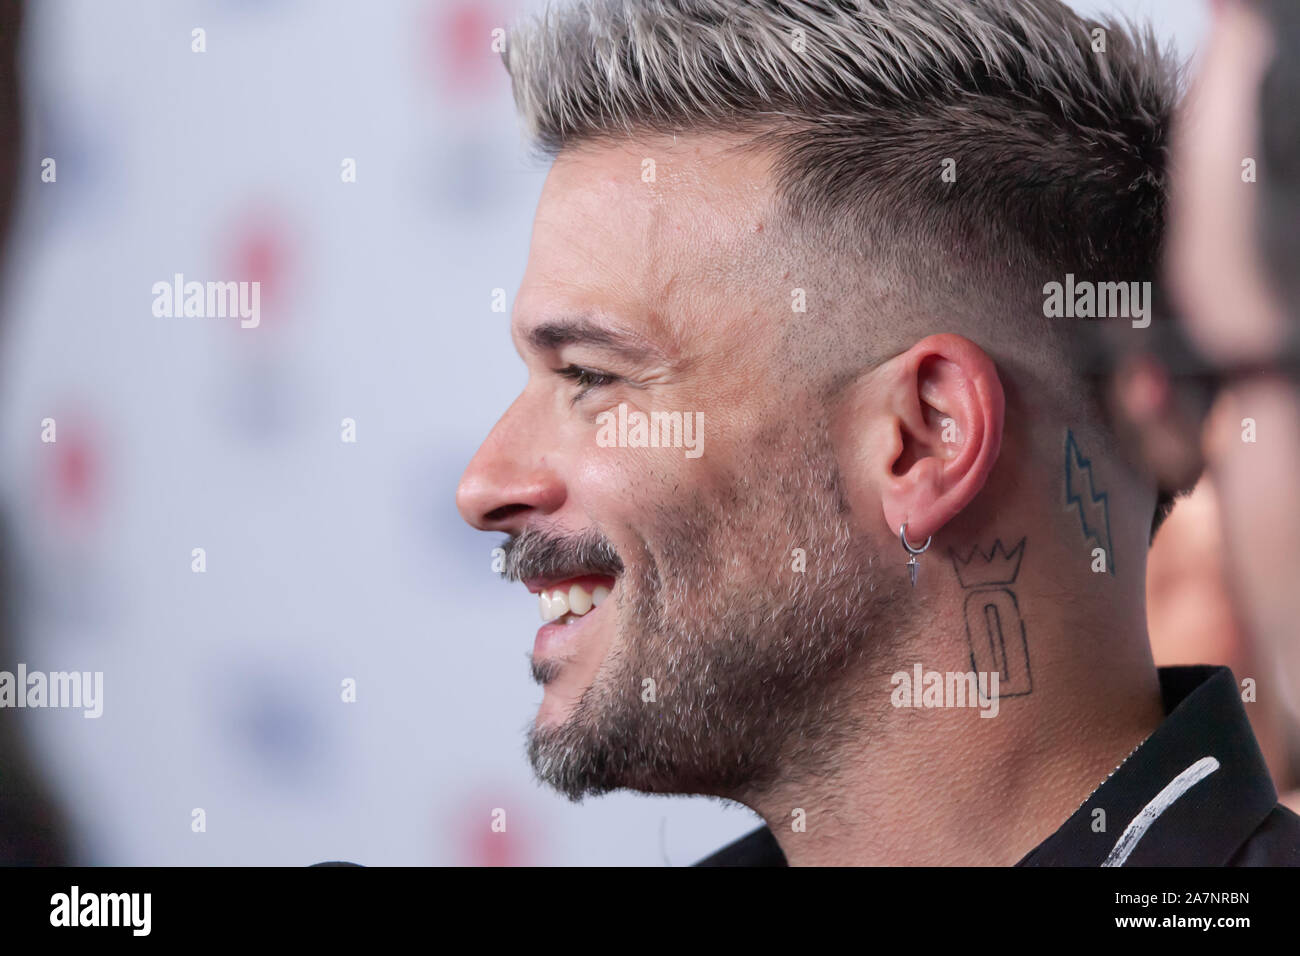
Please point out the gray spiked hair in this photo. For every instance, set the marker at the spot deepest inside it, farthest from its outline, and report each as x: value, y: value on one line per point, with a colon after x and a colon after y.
x: 1061, y: 150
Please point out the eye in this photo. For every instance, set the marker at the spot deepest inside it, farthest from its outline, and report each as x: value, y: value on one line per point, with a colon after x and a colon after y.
x: 585, y: 378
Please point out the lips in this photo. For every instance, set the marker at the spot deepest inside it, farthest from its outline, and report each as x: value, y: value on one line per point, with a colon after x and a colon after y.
x: 572, y: 574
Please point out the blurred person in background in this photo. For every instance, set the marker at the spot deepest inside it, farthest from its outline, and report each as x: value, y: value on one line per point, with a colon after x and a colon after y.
x: 1217, y: 383
x: 1192, y: 620
x: 31, y: 828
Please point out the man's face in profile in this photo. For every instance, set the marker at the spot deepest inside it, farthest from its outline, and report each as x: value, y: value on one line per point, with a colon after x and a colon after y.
x: 1252, y: 438
x: 665, y: 291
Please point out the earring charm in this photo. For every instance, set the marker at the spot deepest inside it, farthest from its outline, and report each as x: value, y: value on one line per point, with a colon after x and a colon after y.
x: 912, y: 563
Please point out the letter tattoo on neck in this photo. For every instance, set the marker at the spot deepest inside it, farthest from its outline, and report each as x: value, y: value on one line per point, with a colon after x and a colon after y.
x: 994, y: 628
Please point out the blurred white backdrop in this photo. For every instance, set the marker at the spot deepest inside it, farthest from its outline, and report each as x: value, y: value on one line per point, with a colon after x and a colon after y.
x: 325, y: 560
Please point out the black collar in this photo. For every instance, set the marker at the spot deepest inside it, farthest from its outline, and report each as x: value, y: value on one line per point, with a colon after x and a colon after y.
x: 1191, y: 795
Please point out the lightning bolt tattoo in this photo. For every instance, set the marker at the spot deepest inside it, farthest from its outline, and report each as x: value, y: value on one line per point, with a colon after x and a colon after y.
x: 1094, y: 508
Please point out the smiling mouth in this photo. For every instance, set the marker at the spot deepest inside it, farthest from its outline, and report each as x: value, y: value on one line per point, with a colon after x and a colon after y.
x: 565, y: 601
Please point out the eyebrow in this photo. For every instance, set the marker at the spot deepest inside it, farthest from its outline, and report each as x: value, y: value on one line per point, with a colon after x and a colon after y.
x: 580, y: 330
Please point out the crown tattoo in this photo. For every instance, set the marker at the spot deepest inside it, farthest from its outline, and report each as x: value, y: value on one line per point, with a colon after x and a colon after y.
x: 1000, y: 567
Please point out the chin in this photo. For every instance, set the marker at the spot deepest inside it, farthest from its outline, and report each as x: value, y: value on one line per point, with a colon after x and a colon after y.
x: 556, y: 707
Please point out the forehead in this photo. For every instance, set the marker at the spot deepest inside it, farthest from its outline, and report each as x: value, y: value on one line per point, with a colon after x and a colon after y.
x: 649, y: 230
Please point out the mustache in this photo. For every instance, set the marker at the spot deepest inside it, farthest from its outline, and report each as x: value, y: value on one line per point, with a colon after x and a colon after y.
x: 542, y: 554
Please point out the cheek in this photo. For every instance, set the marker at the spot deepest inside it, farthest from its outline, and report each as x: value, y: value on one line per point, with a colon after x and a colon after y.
x: 615, y: 492
x: 601, y: 473
x: 633, y: 487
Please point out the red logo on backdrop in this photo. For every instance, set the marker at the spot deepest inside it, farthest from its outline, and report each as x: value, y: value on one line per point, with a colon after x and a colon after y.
x: 71, y: 472
x: 74, y: 474
x: 460, y: 45
x: 486, y: 843
x: 262, y: 251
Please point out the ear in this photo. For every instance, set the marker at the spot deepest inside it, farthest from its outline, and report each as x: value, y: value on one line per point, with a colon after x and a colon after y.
x: 939, y: 414
x: 1163, y: 426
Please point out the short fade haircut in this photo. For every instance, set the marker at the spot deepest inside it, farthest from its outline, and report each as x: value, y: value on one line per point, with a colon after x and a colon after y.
x: 1058, y: 126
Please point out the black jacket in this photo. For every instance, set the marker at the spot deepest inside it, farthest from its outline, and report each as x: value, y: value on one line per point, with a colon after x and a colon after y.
x: 1195, y: 793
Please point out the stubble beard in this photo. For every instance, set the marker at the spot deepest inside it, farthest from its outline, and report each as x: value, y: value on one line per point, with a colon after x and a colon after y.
x: 752, y: 662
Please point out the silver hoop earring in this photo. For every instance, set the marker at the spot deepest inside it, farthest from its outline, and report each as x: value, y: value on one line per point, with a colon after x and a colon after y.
x: 911, y: 564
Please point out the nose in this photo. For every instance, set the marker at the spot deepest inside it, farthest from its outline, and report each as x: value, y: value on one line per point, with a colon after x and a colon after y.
x: 509, y: 480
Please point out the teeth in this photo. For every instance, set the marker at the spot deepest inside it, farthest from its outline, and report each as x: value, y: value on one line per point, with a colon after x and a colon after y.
x: 577, y: 600
x: 559, y: 604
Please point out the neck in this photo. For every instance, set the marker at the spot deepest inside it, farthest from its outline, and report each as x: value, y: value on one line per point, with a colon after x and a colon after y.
x: 927, y: 781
